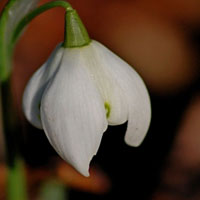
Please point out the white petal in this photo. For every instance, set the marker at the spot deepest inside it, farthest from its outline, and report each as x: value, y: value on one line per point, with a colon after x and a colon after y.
x: 36, y: 85
x: 72, y: 112
x: 110, y: 90
x: 135, y: 94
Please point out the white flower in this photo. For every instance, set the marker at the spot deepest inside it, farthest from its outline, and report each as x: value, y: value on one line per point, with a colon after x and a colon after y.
x: 77, y: 93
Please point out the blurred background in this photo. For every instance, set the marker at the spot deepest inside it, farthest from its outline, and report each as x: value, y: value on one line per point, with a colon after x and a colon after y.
x: 161, y: 40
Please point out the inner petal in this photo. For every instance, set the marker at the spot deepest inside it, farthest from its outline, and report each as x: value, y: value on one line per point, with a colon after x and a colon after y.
x: 114, y: 99
x: 135, y: 92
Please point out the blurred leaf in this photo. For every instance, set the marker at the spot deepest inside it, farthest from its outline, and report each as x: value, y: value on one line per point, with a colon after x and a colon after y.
x: 16, y: 189
x: 53, y: 190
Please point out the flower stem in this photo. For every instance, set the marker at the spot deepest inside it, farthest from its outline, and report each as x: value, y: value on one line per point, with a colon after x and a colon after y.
x: 35, y: 13
x: 75, y: 32
x: 16, y: 184
x: 5, y: 63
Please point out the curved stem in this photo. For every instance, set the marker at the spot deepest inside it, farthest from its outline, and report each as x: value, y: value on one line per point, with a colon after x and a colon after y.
x: 5, y: 61
x: 35, y: 13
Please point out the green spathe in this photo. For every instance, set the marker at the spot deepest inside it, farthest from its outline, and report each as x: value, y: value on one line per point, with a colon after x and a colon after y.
x: 76, y: 34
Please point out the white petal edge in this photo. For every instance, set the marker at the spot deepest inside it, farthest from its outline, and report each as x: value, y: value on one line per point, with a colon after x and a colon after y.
x: 36, y: 86
x: 72, y: 112
x: 136, y: 94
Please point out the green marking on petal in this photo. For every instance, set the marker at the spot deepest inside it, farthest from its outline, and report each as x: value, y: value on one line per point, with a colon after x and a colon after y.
x: 108, y: 109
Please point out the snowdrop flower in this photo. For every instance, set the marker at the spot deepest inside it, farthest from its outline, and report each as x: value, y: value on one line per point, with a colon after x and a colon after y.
x: 77, y: 93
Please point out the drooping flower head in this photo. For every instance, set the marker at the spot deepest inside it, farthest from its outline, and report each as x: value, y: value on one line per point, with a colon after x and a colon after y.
x: 82, y: 89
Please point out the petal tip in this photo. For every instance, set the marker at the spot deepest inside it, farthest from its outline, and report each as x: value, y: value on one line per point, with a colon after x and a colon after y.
x: 81, y: 167
x: 83, y: 171
x: 133, y: 143
x: 134, y: 140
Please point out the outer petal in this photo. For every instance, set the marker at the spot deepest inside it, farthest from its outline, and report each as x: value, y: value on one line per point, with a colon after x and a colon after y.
x: 36, y: 86
x: 72, y: 112
x: 135, y: 94
x: 110, y: 90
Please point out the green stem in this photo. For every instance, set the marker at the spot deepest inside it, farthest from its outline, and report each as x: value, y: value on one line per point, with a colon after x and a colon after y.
x: 9, y: 122
x: 35, y: 13
x: 5, y: 63
x: 75, y: 32
x: 16, y: 184
x: 16, y: 189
